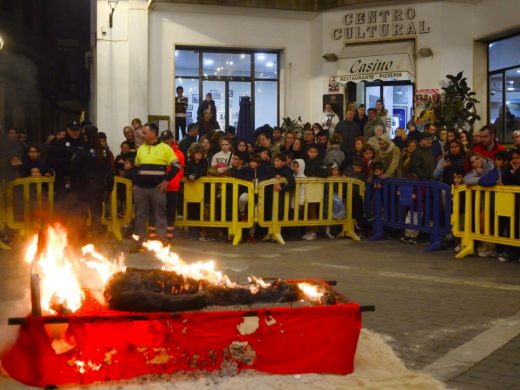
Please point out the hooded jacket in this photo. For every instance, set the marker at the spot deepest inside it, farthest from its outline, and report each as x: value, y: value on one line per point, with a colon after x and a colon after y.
x: 391, y: 158
x: 301, y: 173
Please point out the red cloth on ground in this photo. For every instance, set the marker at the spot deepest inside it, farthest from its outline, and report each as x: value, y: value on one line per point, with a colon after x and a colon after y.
x: 115, y: 345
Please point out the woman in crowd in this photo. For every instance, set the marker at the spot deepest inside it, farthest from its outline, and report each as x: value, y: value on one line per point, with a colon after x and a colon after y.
x: 480, y: 165
x: 208, y: 150
x: 411, y: 145
x: 297, y: 149
x: 453, y: 161
x: 390, y: 156
x: 466, y: 139
x: 288, y: 141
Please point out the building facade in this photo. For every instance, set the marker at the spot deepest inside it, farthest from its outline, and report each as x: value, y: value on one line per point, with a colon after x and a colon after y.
x: 286, y: 61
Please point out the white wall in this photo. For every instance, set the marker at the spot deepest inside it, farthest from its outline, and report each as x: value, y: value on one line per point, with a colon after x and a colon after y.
x: 494, y: 17
x: 121, y: 68
x: 230, y: 27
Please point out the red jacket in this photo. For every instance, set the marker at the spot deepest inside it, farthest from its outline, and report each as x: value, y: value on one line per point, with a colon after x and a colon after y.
x: 173, y: 185
x: 489, y: 153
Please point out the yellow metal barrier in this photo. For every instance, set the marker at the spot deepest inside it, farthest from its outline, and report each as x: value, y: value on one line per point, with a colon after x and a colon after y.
x: 478, y: 212
x: 25, y: 198
x: 3, y: 216
x: 116, y: 223
x: 316, y: 192
x: 215, y: 202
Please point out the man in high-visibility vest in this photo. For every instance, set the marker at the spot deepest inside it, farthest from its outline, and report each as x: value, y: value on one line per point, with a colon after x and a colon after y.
x: 156, y: 165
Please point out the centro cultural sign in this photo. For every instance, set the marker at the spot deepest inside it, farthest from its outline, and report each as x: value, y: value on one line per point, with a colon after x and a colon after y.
x: 380, y: 24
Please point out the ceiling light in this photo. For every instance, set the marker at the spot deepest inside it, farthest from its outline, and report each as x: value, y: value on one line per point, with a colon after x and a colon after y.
x: 176, y: 53
x: 230, y: 62
x: 518, y: 71
x: 260, y: 57
x: 510, y: 89
x: 242, y: 56
x: 508, y: 102
x: 269, y: 64
x: 209, y: 61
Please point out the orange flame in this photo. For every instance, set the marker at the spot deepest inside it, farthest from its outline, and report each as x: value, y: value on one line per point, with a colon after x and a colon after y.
x: 312, y: 292
x: 60, y: 287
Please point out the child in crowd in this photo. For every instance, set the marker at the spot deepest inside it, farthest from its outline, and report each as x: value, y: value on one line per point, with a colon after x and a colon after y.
x: 196, y: 167
x: 221, y: 161
x: 34, y: 161
x: 458, y: 180
x: 313, y: 168
x: 126, y: 152
x: 408, y: 152
x: 334, y: 153
x: 263, y: 152
x: 297, y: 149
x: 369, y: 154
x: 338, y: 208
x: 356, y: 171
x: 282, y: 171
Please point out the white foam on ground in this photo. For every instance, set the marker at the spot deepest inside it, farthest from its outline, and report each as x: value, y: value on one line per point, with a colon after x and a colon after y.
x: 377, y: 367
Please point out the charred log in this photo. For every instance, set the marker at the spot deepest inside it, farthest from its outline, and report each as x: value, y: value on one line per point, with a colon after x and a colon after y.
x: 157, y: 290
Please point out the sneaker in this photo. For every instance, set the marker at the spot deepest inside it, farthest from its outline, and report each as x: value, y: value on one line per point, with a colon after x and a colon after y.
x: 412, y: 241
x: 458, y: 248
x: 206, y: 238
x: 329, y: 235
x: 405, y: 239
x: 504, y: 257
x: 310, y: 236
x: 487, y: 250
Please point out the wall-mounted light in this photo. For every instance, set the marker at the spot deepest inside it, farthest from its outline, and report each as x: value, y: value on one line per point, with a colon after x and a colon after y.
x: 330, y: 57
x: 1, y: 43
x: 112, y: 4
x: 425, y: 52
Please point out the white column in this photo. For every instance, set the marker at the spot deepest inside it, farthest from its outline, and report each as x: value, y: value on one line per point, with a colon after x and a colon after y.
x: 121, y: 68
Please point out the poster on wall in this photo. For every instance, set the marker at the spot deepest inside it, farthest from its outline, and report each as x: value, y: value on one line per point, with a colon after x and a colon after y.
x: 215, y: 93
x: 423, y: 98
x: 195, y: 98
x: 333, y: 85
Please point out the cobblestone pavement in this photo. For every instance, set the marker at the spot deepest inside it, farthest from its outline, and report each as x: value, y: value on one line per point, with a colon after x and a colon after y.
x: 427, y: 304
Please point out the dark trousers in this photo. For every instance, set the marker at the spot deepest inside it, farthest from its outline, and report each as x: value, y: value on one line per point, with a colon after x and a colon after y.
x: 180, y: 123
x: 171, y: 207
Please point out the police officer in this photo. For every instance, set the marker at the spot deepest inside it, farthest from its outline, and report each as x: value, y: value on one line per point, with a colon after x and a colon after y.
x: 59, y: 157
x: 156, y: 165
x: 92, y: 167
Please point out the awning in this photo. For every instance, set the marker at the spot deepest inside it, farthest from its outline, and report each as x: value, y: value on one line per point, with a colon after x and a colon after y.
x: 380, y: 61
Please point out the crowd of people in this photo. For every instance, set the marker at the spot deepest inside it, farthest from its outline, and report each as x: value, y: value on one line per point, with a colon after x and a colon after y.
x: 357, y: 146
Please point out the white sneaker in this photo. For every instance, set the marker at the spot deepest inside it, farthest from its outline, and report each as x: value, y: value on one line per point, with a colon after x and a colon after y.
x: 310, y: 236
x: 458, y: 248
x: 329, y: 235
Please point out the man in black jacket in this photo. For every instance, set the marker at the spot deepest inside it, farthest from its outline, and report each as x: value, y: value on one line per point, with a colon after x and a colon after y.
x: 349, y: 131
x: 208, y: 104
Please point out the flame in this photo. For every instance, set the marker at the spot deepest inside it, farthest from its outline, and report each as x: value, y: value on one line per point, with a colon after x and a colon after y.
x: 60, y: 287
x: 198, y: 271
x: 101, y: 264
x: 312, y: 292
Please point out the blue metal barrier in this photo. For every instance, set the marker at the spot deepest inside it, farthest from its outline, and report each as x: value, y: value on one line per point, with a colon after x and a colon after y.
x: 428, y: 202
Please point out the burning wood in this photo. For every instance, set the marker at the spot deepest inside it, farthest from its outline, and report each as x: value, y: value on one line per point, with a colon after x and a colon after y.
x: 156, y: 290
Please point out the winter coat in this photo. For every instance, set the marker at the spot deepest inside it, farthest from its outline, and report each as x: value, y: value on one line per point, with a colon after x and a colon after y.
x: 334, y: 155
x: 421, y: 164
x: 349, y: 131
x: 301, y: 173
x: 472, y: 177
x: 315, y: 168
x: 446, y: 174
x: 391, y: 158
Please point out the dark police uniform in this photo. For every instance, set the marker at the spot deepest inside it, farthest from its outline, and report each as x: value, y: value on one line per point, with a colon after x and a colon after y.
x: 94, y: 175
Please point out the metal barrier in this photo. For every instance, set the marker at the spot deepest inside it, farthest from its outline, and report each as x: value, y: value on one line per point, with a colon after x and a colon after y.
x: 117, y: 221
x: 3, y: 216
x: 427, y: 203
x: 24, y: 198
x: 212, y: 202
x: 317, y: 192
x: 492, y: 216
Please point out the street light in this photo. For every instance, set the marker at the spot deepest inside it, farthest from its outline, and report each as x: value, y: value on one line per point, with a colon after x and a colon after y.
x: 112, y: 4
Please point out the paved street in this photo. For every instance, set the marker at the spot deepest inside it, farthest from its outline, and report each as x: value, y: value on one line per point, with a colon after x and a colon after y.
x: 457, y: 319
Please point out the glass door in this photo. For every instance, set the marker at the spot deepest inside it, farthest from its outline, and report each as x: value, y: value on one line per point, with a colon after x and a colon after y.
x: 218, y: 91
x: 236, y: 89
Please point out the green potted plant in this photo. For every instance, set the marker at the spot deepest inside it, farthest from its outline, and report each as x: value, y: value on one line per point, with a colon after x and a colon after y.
x: 456, y: 106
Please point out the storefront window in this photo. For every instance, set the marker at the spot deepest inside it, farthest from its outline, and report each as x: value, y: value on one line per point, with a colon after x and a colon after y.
x: 504, y: 86
x: 229, y: 75
x: 397, y: 97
